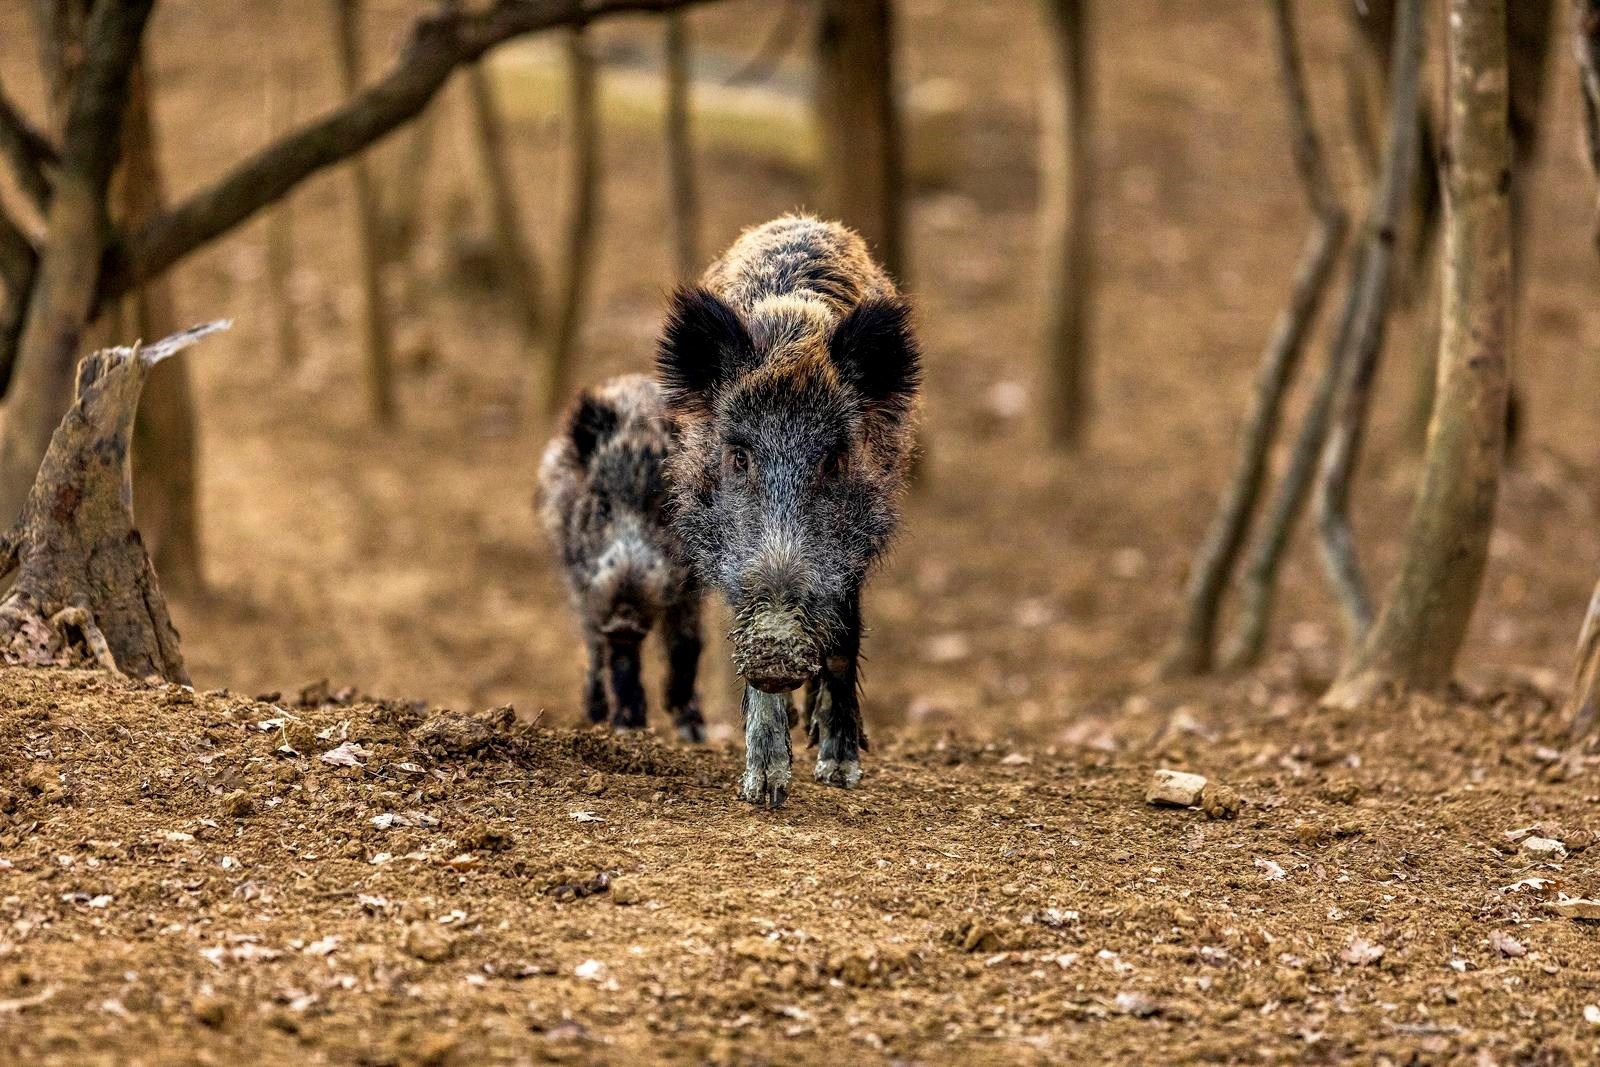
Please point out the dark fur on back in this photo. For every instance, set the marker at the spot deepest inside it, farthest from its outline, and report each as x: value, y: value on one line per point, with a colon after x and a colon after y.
x: 603, y: 503
x: 791, y: 375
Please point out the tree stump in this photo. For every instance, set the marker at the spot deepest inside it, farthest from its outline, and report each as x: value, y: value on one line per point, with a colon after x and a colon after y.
x: 85, y: 592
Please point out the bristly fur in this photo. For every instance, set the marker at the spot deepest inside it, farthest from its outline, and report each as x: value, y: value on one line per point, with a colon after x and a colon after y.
x: 791, y: 375
x: 602, y: 499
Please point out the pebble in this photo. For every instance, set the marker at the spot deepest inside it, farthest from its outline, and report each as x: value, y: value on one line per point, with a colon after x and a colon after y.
x: 428, y: 943
x: 1220, y: 802
x: 238, y: 804
x: 1177, y: 788
x: 1543, y: 849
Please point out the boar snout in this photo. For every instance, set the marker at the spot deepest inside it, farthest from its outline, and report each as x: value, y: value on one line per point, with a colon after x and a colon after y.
x: 775, y: 651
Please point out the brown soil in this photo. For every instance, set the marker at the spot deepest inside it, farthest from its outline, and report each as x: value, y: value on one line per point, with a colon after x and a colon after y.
x: 189, y: 877
x: 912, y: 918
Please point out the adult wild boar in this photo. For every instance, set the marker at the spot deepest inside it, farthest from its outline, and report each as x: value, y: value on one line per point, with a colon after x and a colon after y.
x: 791, y: 375
x: 602, y: 498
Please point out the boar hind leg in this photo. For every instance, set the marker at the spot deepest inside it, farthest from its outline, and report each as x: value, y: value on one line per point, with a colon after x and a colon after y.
x: 833, y: 711
x: 627, y: 694
x: 681, y: 629
x: 595, y: 703
x: 767, y: 756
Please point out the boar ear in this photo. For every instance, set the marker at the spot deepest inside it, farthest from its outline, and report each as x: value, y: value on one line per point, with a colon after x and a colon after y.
x: 592, y: 421
x: 875, y: 350
x: 703, y: 345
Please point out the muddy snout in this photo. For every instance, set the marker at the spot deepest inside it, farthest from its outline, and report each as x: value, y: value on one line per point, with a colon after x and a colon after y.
x: 775, y: 651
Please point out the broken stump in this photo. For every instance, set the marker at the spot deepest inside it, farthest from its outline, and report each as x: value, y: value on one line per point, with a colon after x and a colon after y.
x: 85, y: 593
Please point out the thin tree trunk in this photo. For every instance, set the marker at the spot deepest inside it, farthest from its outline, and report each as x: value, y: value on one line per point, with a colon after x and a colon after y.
x: 280, y: 239
x: 1373, y: 286
x: 164, y: 438
x: 1191, y: 653
x: 377, y: 340
x: 64, y: 294
x: 519, y: 264
x: 680, y: 148
x: 582, y: 223
x: 1413, y: 644
x: 862, y: 169
x: 1067, y: 226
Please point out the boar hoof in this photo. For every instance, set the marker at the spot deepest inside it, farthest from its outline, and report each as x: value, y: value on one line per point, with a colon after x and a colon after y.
x: 766, y: 787
x: 843, y: 773
x: 692, y: 732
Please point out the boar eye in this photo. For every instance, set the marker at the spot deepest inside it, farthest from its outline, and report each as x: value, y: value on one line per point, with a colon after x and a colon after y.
x: 833, y: 465
x: 737, y: 461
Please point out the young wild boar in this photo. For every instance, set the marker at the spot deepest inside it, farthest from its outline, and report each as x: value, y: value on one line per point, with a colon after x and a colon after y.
x: 601, y: 497
x: 791, y: 376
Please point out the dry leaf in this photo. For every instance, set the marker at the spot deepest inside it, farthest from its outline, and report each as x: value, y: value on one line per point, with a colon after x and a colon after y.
x: 1359, y: 951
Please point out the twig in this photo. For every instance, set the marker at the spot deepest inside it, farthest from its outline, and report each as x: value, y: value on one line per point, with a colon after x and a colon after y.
x: 783, y: 36
x: 1583, y: 706
x: 1192, y: 652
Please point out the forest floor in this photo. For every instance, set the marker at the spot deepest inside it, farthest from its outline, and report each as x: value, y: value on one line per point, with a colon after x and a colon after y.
x: 997, y: 888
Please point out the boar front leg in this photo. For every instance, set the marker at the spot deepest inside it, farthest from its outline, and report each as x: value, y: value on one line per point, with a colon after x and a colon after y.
x: 681, y: 629
x: 627, y: 694
x: 767, y: 756
x: 595, y: 703
x: 833, y: 709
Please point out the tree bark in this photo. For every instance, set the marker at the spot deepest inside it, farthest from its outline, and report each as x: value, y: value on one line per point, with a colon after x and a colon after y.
x: 1067, y: 227
x: 165, y: 464
x: 376, y: 323
x: 582, y: 222
x: 680, y: 148
x: 63, y: 298
x: 861, y: 179
x: 85, y: 591
x: 1413, y: 644
x: 1192, y: 651
x: 1372, y: 290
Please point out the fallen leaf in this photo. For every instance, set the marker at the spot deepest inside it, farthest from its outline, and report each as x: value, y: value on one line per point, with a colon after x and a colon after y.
x: 348, y: 754
x: 1506, y: 945
x: 585, y: 816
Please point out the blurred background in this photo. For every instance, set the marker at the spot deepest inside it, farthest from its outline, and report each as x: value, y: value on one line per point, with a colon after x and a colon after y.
x: 387, y: 541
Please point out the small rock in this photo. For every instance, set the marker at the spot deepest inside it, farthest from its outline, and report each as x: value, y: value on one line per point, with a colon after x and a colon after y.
x: 238, y: 804
x: 595, y: 785
x: 625, y: 893
x: 1575, y: 908
x: 428, y: 943
x: 1591, y: 1014
x: 1136, y: 1004
x: 1220, y: 802
x: 1176, y: 788
x: 1543, y: 849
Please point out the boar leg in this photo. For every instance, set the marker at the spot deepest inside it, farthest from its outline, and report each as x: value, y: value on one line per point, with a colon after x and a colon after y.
x: 627, y: 694
x: 681, y: 629
x: 767, y: 757
x: 833, y: 712
x: 595, y: 703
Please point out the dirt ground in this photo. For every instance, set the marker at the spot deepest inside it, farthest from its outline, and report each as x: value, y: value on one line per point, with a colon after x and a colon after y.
x: 996, y: 890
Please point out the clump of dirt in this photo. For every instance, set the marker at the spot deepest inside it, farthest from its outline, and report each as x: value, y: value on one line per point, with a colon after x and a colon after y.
x: 180, y: 882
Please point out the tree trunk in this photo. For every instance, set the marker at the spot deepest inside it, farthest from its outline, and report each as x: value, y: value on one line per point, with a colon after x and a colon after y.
x: 519, y: 265
x: 861, y: 179
x: 280, y: 243
x: 164, y: 466
x: 1192, y: 651
x: 1371, y: 289
x: 64, y: 294
x: 680, y: 149
x: 1419, y: 631
x: 1066, y: 225
x: 85, y: 591
x: 377, y: 325
x: 582, y: 223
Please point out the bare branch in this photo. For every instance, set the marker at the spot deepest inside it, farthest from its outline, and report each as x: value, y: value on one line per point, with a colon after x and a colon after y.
x: 1191, y: 653
x: 17, y: 257
x: 1372, y: 289
x: 29, y: 152
x: 438, y: 45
